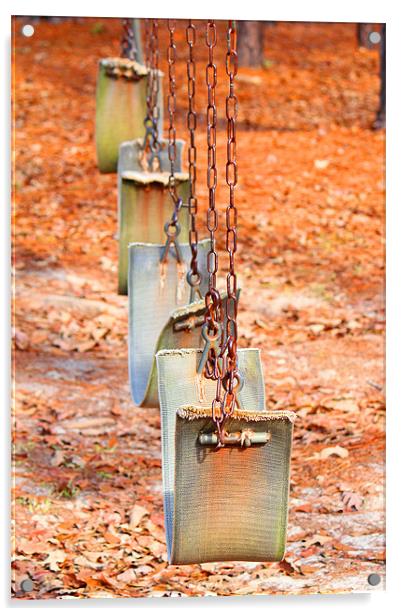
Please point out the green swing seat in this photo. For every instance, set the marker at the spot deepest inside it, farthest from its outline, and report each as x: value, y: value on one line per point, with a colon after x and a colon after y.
x: 227, y: 504
x: 160, y: 316
x: 120, y: 107
x: 144, y: 201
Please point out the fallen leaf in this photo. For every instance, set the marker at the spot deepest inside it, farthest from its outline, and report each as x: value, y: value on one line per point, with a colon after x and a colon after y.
x: 57, y: 458
x: 33, y: 547
x: 321, y: 163
x: 81, y: 561
x: 339, y: 451
x: 55, y: 557
x: 127, y: 576
x: 351, y: 501
x: 86, y: 346
x: 136, y: 515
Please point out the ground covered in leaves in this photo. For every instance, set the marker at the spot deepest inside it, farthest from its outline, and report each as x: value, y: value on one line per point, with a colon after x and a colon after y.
x: 87, y: 467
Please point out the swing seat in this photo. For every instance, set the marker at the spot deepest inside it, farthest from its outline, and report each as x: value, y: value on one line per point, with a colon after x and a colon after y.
x: 179, y: 385
x: 159, y: 317
x: 231, y: 503
x: 145, y: 203
x: 120, y: 107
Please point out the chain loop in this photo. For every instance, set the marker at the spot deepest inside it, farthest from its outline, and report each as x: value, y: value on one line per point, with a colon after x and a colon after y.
x: 231, y: 377
x: 193, y: 275
x: 213, y: 304
x: 129, y: 48
x: 151, y: 144
x: 226, y: 372
x: 172, y: 228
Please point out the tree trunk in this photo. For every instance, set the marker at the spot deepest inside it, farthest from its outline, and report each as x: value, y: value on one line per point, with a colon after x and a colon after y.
x: 250, y: 47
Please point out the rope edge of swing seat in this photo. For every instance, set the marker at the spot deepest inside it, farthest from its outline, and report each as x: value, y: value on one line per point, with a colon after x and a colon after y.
x: 118, y: 62
x: 144, y: 178
x: 189, y: 351
x: 192, y: 413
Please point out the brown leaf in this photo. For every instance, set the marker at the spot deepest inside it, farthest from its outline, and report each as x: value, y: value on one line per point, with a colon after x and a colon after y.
x: 55, y: 557
x: 85, y: 563
x: 127, y: 576
x: 86, y: 346
x: 112, y: 538
x: 339, y: 451
x: 136, y: 515
x: 351, y: 501
x: 33, y: 547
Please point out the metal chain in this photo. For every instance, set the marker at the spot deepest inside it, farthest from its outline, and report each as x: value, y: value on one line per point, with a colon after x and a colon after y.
x: 172, y: 227
x: 213, y: 304
x: 151, y: 139
x: 129, y: 47
x: 147, y: 45
x: 193, y: 275
x: 231, y: 378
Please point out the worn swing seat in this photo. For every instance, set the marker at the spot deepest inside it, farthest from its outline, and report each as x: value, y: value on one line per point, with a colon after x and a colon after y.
x: 120, y: 107
x: 229, y: 504
x: 144, y: 201
x: 160, y: 316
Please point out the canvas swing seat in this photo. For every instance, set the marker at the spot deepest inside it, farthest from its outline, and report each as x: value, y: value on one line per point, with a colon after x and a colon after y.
x: 120, y: 107
x: 160, y: 315
x: 227, y: 504
x: 144, y: 201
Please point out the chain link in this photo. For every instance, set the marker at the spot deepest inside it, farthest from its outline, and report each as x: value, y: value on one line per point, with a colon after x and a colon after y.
x: 129, y: 48
x: 151, y: 139
x: 230, y: 381
x: 231, y: 221
x: 193, y: 275
x: 213, y: 304
x: 172, y: 228
x: 147, y: 43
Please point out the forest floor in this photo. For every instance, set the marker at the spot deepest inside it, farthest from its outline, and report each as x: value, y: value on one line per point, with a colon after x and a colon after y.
x: 87, y: 465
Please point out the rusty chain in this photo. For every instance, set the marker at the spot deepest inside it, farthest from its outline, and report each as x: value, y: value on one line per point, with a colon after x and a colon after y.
x: 151, y: 139
x: 213, y: 305
x: 193, y: 275
x: 231, y: 380
x: 147, y: 43
x: 129, y: 47
x: 172, y: 227
x: 220, y: 353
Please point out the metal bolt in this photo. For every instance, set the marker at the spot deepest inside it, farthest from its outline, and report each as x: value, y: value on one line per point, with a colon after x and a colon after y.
x: 374, y: 579
x: 27, y: 585
x: 374, y: 38
x: 28, y: 30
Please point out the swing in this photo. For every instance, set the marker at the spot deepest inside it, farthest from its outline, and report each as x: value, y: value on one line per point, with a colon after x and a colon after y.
x: 159, y: 314
x: 226, y: 459
x: 144, y: 204
x: 121, y: 94
x: 163, y: 311
x: 231, y: 503
x: 150, y: 171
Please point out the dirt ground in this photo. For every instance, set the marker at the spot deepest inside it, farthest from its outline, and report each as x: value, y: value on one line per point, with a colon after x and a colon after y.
x: 87, y: 489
